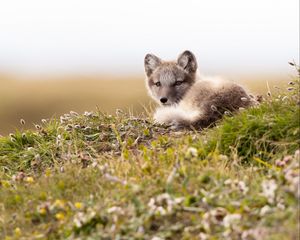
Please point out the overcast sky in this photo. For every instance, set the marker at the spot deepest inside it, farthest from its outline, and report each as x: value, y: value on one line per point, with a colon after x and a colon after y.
x: 114, y: 35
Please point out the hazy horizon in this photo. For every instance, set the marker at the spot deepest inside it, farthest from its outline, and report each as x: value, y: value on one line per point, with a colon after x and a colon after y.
x: 112, y: 37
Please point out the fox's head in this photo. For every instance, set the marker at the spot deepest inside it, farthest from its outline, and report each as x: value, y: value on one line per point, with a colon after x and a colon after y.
x: 167, y: 82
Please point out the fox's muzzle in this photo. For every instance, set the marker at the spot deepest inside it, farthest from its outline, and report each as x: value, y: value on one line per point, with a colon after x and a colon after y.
x: 163, y: 100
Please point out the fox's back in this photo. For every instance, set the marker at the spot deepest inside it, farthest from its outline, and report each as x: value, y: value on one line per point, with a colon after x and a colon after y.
x: 219, y: 93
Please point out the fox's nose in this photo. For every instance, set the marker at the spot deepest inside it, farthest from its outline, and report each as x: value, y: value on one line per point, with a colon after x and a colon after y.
x: 164, y: 100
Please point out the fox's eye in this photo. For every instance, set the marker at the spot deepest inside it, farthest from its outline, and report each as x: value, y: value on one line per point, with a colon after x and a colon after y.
x: 157, y: 84
x: 177, y: 83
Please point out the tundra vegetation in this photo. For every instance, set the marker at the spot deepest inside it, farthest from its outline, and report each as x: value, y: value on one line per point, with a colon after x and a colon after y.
x: 100, y: 176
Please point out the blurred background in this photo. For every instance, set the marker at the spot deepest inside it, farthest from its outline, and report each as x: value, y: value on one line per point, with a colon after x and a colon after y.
x: 63, y: 55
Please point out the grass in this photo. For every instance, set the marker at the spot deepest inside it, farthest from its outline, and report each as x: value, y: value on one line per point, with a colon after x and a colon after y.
x: 36, y: 97
x: 97, y: 176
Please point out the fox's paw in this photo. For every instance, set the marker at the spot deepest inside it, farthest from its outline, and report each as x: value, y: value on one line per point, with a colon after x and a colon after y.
x: 176, y: 125
x: 174, y: 117
x: 163, y: 116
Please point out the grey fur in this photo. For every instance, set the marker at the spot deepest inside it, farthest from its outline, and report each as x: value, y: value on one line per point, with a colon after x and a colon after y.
x: 187, y: 61
x: 151, y: 62
x: 190, y: 101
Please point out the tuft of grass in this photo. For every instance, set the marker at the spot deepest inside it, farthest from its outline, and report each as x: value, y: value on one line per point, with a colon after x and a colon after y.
x: 98, y: 176
x: 264, y: 131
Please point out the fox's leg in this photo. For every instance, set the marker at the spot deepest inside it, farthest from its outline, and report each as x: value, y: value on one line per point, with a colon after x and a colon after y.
x: 176, y: 117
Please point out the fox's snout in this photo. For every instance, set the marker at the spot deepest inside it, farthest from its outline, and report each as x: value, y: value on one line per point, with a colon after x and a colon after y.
x: 163, y: 100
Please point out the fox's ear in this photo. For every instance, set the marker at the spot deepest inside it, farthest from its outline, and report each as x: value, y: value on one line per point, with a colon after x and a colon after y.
x: 151, y: 62
x: 187, y: 61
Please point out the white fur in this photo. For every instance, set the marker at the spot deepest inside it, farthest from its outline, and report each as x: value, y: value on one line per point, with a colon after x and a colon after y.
x: 175, y: 115
x: 215, y: 81
x: 183, y: 113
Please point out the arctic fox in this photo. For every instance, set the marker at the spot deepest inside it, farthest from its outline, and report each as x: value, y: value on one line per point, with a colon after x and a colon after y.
x: 186, y: 99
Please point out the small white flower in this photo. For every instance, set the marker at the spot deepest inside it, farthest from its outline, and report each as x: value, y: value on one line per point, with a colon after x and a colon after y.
x: 203, y: 236
x: 161, y: 211
x: 88, y: 114
x: 77, y: 222
x: 287, y: 158
x: 141, y: 229
x: 58, y: 140
x: 191, y: 151
x: 206, y: 221
x: 164, y: 196
x: 231, y: 219
x: 11, y: 135
x: 73, y: 113
x: 256, y: 233
x: 178, y: 200
x: 280, y: 163
x: 269, y: 188
x: 280, y: 206
x: 88, y: 128
x: 94, y: 164
x: 213, y: 107
x: 115, y: 209
x: 37, y: 157
x: 228, y: 181
x: 163, y: 204
x: 264, y: 210
x: 119, y: 111
x: 292, y: 178
x: 297, y: 154
x: 242, y: 186
x: 151, y: 203
x: 62, y: 119
x: 112, y: 178
x: 223, y: 157
x: 157, y: 238
x: 79, y: 219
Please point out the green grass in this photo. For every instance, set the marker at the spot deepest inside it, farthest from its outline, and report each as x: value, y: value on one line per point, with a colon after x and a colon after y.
x: 96, y: 176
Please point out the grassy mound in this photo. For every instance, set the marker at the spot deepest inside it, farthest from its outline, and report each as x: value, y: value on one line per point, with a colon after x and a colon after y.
x: 96, y: 176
